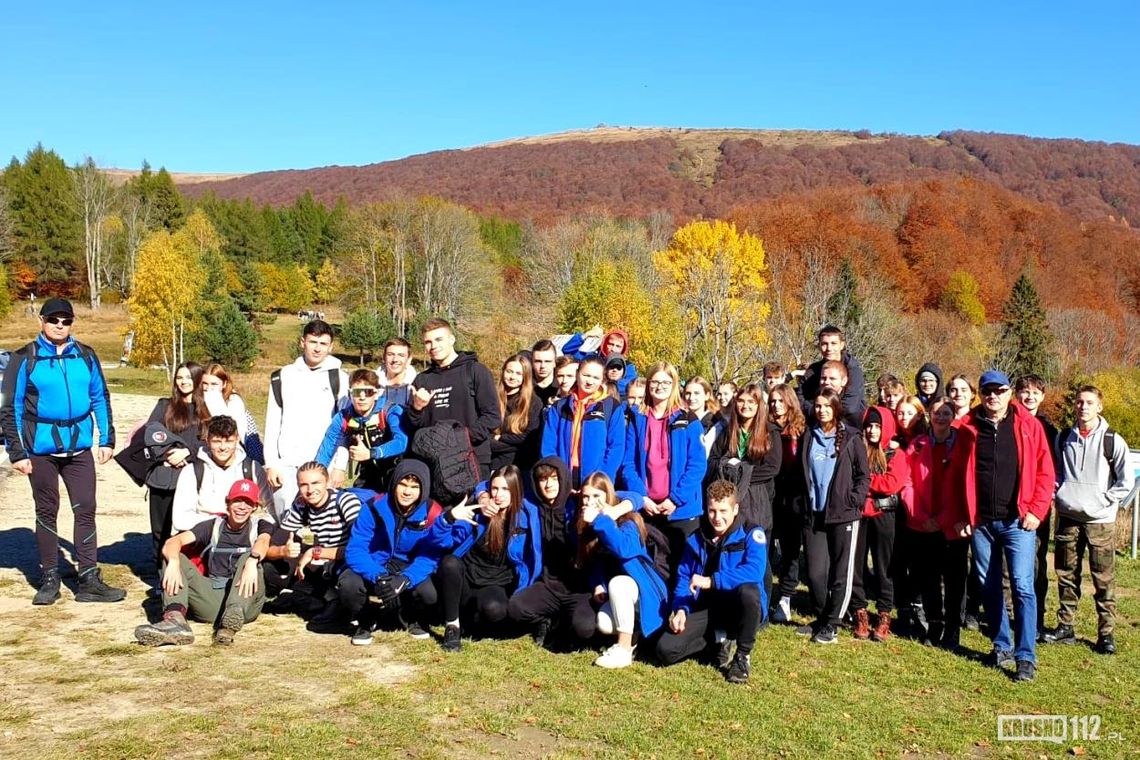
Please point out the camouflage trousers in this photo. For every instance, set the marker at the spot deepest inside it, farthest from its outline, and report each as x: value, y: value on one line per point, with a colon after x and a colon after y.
x: 1070, y: 544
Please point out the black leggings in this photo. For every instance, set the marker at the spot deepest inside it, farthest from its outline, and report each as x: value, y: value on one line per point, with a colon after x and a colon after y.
x: 941, y: 564
x: 552, y: 600
x: 877, y: 539
x: 483, y: 605
x: 161, y: 512
x: 736, y: 612
x: 788, y: 535
x: 78, y: 473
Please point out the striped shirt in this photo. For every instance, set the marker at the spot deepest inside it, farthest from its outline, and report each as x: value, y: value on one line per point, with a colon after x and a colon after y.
x: 330, y: 524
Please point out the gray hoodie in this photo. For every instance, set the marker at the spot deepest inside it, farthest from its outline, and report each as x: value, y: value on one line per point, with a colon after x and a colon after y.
x: 1087, y: 491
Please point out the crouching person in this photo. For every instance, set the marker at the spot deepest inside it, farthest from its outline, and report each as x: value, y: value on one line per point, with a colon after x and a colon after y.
x: 719, y: 593
x: 232, y: 592
x: 391, y: 556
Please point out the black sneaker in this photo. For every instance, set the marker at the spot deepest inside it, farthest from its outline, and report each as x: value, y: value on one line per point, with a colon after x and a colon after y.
x: 740, y: 669
x: 724, y: 654
x: 1062, y: 634
x: 172, y: 629
x: 93, y: 589
x: 48, y: 592
x: 451, y: 639
x: 330, y: 620
x: 417, y: 630
x: 541, y: 632
x: 1106, y: 644
x: 805, y: 630
x: 363, y: 635
x: 1026, y: 671
x: 825, y: 635
x: 1000, y: 659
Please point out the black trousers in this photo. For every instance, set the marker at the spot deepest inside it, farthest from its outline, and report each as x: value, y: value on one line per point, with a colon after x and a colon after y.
x: 831, y: 566
x: 552, y: 600
x: 161, y: 512
x: 940, y: 568
x: 736, y: 612
x: 676, y: 532
x: 877, y: 541
x: 788, y: 537
x: 415, y: 603
x: 78, y: 473
x: 482, y: 605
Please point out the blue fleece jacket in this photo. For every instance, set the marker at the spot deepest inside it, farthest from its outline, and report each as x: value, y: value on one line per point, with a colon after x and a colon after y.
x: 687, y: 462
x: 624, y: 543
x: 740, y: 557
x: 602, y: 444
x: 524, y: 545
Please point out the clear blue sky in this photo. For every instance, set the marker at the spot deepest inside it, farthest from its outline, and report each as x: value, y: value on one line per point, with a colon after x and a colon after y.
x: 238, y: 86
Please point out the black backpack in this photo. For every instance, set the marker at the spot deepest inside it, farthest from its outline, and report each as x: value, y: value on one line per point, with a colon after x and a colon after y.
x: 657, y: 546
x: 446, y: 448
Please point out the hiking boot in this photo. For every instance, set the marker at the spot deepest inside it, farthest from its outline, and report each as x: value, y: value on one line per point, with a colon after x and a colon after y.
x: 882, y: 630
x: 1000, y: 659
x: 48, y: 592
x: 541, y: 632
x: 825, y: 635
x: 233, y: 618
x: 452, y: 638
x: 971, y: 622
x: 172, y: 629
x: 740, y: 669
x: 1026, y: 671
x: 862, y: 630
x: 615, y: 657
x: 806, y: 629
x: 93, y: 589
x: 723, y: 650
x: 1062, y: 634
x: 782, y: 612
x: 1105, y: 644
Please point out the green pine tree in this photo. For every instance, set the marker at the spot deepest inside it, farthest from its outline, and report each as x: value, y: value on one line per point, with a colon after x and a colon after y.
x: 844, y: 306
x: 1026, y: 345
x: 365, y: 330
x: 229, y: 338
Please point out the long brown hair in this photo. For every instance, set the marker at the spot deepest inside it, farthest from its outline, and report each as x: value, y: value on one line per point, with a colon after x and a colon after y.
x: 711, y: 403
x: 757, y: 428
x: 794, y: 423
x: 218, y: 371
x: 876, y: 455
x: 831, y: 398
x: 502, y: 523
x: 180, y: 414
x: 517, y: 420
x: 587, y: 538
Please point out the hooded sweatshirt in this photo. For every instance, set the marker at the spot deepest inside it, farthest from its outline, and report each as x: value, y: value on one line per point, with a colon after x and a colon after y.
x: 294, y: 430
x: 556, y: 525
x: 193, y: 504
x: 935, y: 370
x: 891, y: 482
x: 1090, y: 490
x: 466, y: 394
x: 572, y: 346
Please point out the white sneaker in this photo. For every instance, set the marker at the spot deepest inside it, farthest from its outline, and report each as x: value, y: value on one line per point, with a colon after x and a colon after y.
x: 615, y: 657
x: 783, y: 611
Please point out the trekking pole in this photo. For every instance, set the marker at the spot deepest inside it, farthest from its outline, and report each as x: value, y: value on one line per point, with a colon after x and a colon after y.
x: 1135, y: 519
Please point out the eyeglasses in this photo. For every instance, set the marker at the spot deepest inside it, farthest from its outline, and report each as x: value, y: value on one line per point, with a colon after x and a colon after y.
x: 65, y: 321
x: 661, y: 383
x: 363, y: 392
x: 992, y: 391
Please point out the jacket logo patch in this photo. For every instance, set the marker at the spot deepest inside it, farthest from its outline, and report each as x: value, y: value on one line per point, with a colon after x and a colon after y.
x: 759, y: 537
x: 159, y: 436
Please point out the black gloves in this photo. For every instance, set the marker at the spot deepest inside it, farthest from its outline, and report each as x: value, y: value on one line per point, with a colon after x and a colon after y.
x: 389, y: 588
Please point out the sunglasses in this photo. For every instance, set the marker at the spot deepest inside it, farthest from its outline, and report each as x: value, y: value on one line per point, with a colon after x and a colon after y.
x: 65, y: 321
x: 363, y: 392
x: 992, y: 391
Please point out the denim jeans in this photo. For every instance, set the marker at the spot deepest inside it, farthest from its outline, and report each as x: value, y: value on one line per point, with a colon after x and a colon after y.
x: 992, y: 541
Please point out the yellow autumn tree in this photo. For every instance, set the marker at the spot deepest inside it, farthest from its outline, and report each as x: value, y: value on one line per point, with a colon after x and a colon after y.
x: 611, y: 295
x: 717, y: 277
x: 164, y: 294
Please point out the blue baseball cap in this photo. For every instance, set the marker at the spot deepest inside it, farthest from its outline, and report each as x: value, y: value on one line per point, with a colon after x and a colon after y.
x: 994, y: 377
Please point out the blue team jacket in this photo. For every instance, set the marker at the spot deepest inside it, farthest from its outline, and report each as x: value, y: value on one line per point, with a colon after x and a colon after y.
x: 602, y: 446
x: 624, y: 543
x: 743, y: 555
x: 49, y: 410
x: 687, y: 462
x: 524, y: 545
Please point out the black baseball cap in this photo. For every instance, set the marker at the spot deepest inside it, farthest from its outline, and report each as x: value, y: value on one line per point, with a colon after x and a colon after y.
x: 57, y: 307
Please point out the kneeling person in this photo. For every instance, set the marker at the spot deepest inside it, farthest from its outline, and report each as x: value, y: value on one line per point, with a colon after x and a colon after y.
x: 233, y: 590
x: 719, y: 588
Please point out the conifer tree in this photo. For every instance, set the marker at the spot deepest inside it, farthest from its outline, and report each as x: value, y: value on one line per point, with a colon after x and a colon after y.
x: 1026, y: 345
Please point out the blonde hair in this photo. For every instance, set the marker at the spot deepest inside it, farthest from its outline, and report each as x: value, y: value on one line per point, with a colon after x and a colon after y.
x: 674, y: 401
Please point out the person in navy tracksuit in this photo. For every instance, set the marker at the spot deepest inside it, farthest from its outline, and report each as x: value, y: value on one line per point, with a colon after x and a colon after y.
x: 719, y: 593
x: 665, y: 460
x: 54, y: 398
x: 628, y: 587
x: 496, y: 550
x: 586, y: 430
x: 392, y: 554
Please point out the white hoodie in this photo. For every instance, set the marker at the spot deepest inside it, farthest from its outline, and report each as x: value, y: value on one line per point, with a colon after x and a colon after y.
x: 192, y: 505
x: 294, y: 434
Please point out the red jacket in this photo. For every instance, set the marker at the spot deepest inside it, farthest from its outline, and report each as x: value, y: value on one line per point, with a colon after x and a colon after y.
x: 934, y: 489
x: 1036, y: 476
x: 892, y: 481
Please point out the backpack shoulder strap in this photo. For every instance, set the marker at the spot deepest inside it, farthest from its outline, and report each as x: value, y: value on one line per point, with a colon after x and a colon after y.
x: 1110, y: 454
x: 275, y: 386
x: 215, y: 534
x: 247, y: 468
x: 435, y: 509
x: 199, y: 472
x: 334, y: 384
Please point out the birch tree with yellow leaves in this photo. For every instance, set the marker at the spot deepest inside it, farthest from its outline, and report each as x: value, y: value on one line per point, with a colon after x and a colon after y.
x: 717, y: 277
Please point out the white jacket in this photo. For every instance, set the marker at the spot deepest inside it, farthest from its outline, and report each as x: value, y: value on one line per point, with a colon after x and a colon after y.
x: 193, y: 505
x: 293, y: 434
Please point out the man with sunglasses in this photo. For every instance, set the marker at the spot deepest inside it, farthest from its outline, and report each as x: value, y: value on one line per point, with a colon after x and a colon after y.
x: 372, y: 434
x: 1008, y: 472
x: 55, y: 398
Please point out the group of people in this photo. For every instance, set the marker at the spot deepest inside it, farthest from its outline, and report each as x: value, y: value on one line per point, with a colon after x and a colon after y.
x: 575, y: 498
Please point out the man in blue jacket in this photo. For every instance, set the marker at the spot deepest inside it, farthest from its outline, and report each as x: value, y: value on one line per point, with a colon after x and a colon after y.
x: 719, y: 594
x: 52, y: 389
